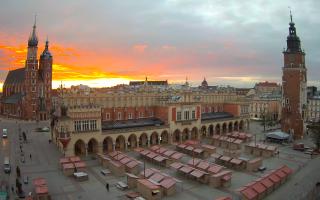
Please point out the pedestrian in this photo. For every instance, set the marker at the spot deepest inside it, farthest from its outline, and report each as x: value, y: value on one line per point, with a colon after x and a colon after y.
x: 107, y: 186
x: 12, y: 189
x: 30, y: 156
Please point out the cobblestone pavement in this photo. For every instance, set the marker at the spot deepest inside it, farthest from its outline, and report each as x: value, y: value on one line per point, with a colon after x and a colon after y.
x: 45, y: 158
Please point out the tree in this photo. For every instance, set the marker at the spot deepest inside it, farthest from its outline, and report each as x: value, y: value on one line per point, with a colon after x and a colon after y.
x: 315, y: 133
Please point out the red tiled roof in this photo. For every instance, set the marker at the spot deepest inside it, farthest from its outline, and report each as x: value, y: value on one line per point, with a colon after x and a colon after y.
x: 286, y: 170
x: 182, y: 146
x: 249, y: 193
x: 206, y: 146
x: 157, y: 177
x: 167, y: 183
x: 74, y: 158
x: 176, y: 165
x: 169, y: 153
x: 203, y: 165
x: 132, y: 164
x: 151, y: 155
x: 159, y: 158
x: 147, y: 172
x: 266, y: 182
x: 258, y: 187
x: 236, y: 161
x: 155, y: 148
x: 148, y: 184
x: 144, y: 152
x: 225, y: 158
x: 114, y: 153
x: 186, y: 169
x: 177, y: 156
x: 197, y: 173
x: 40, y: 190
x: 125, y: 160
x: 115, y: 163
x: 162, y: 150
x: 215, y: 169
x: 119, y: 156
x: 280, y: 174
x: 68, y: 166
x: 80, y: 164
x: 198, y: 150
x: 194, y: 161
x: 274, y: 178
x: 39, y: 182
x: 64, y: 160
x: 190, y: 148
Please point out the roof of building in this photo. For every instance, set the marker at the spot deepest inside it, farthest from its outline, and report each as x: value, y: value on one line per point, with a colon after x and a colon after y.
x: 131, y: 123
x: 13, y: 99
x: 15, y: 76
x: 215, y: 115
x: 266, y: 84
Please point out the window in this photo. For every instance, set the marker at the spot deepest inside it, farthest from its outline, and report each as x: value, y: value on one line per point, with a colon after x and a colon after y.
x: 287, y: 101
x: 151, y: 113
x: 194, y: 114
x: 179, y: 116
x: 186, y: 115
x: 141, y: 114
x: 93, y: 124
x: 107, y: 116
x: 129, y: 115
x: 119, y: 115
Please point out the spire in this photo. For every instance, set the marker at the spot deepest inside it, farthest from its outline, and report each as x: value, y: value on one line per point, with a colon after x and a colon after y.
x: 293, y: 41
x: 47, y: 44
x: 33, y: 39
x: 46, y: 53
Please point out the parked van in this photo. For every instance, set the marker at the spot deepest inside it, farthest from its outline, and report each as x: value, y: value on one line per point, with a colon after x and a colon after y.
x: 4, y: 133
x: 7, y: 166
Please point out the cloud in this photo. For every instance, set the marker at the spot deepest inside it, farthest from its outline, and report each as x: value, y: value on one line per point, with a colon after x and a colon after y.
x: 140, y: 48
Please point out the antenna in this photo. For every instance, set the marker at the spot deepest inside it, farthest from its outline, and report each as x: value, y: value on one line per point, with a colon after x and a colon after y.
x: 290, y: 14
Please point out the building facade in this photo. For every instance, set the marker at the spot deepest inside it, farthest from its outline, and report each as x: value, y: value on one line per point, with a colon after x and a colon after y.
x: 27, y: 90
x: 126, y: 119
x: 314, y: 109
x: 294, y: 83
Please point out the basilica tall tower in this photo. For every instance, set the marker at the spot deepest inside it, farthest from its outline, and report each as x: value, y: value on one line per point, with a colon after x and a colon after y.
x: 294, y: 83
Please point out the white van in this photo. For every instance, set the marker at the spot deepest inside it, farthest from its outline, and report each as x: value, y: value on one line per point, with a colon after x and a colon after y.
x: 7, y: 166
x: 4, y: 133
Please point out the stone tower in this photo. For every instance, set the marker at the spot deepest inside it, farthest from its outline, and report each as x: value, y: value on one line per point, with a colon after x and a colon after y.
x: 294, y: 83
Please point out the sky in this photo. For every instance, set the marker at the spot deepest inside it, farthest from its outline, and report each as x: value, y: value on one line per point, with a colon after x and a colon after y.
x: 107, y: 42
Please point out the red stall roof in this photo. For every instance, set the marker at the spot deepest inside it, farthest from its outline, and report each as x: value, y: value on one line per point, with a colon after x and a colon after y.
x: 151, y: 155
x: 194, y: 161
x: 236, y: 161
x: 286, y: 170
x: 68, y: 166
x: 224, y: 198
x: 167, y: 183
x: 119, y: 156
x: 198, y: 150
x: 186, y: 169
x: 39, y: 182
x: 148, y: 172
x: 280, y: 174
x: 40, y: 190
x: 162, y: 150
x: 203, y: 165
x: 159, y: 158
x: 215, y: 168
x: 266, y: 182
x: 169, y: 153
x: 155, y: 148
x: 80, y: 164
x: 177, y: 155
x: 138, y: 149
x: 115, y: 163
x: 225, y: 158
x: 216, y: 155
x: 74, y: 158
x: 206, y: 146
x: 190, y: 148
x: 197, y: 173
x: 144, y: 152
x: 274, y: 178
x: 149, y: 184
x: 132, y: 164
x: 114, y: 153
x: 64, y: 160
x: 157, y: 177
x: 176, y: 165
x: 192, y: 142
x: 258, y: 187
x: 249, y: 193
x: 125, y: 160
x: 182, y: 146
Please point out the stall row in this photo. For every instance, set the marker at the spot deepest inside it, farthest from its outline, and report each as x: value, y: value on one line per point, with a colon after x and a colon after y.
x: 240, y: 163
x: 171, y: 154
x: 199, y: 151
x: 119, y: 163
x: 210, y: 168
x: 226, y: 142
x: 261, y: 150
x: 246, y: 137
x: 164, y: 159
x: 41, y: 189
x: 263, y: 186
x: 219, y: 179
x: 152, y: 184
x: 70, y: 165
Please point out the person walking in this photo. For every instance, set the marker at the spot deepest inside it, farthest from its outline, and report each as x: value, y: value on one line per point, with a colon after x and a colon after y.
x: 30, y: 156
x: 107, y: 186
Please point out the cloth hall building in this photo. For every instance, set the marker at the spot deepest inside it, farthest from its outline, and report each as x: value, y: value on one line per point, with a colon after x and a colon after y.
x: 105, y: 120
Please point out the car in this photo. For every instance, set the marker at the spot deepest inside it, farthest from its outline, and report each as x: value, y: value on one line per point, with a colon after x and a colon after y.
x: 4, y: 133
x: 7, y: 166
x: 43, y: 129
